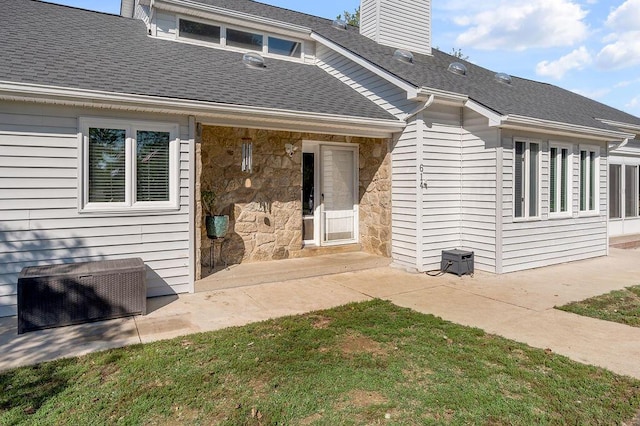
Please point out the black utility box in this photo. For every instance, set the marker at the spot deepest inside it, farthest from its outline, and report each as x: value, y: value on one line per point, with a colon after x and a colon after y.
x: 458, y: 262
x: 57, y: 295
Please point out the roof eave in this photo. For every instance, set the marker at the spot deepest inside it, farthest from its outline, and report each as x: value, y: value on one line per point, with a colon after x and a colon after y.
x: 210, y: 112
x: 562, y: 129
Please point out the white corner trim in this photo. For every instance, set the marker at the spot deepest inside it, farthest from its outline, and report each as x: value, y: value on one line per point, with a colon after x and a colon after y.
x: 413, y: 92
x: 12, y: 91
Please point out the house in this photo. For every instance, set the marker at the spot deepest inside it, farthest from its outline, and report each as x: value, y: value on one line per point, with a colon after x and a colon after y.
x: 313, y: 134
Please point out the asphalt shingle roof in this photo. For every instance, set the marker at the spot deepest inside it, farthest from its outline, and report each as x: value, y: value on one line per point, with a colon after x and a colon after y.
x: 524, y: 97
x: 61, y: 46
x: 90, y: 50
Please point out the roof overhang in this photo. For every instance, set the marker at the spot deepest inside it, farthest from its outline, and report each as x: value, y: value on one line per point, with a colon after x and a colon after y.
x: 519, y: 122
x: 207, y: 112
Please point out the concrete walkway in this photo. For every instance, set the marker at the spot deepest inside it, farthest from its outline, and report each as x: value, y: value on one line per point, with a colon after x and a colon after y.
x: 518, y: 306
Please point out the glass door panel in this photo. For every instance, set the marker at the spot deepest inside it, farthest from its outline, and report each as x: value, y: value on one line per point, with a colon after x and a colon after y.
x: 338, y: 194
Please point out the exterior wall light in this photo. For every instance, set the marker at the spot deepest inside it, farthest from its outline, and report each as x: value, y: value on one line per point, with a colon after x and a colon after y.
x: 247, y: 154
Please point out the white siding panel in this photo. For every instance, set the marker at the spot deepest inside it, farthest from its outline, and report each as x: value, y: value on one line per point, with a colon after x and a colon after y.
x: 364, y: 82
x: 398, y: 23
x: 478, y: 191
x: 39, y: 204
x: 547, y: 241
x: 441, y: 206
x: 404, y: 220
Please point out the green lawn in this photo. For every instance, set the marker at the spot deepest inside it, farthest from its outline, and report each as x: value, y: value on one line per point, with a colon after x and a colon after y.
x: 366, y: 363
x: 621, y: 306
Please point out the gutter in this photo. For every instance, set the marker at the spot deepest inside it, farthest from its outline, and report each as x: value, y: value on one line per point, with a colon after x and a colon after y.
x: 519, y: 122
x: 221, y: 114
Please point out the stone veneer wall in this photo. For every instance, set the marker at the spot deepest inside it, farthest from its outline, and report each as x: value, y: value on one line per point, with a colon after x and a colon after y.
x: 265, y: 207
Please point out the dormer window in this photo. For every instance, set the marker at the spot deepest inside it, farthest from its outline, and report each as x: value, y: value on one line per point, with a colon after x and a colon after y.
x: 238, y: 39
x: 199, y: 31
x: 244, y: 40
x: 279, y: 46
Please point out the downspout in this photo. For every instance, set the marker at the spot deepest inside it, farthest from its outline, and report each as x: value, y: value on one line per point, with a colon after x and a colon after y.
x: 421, y: 108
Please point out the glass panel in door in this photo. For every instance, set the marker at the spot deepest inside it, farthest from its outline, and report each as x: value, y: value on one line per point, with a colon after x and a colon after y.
x: 338, y: 194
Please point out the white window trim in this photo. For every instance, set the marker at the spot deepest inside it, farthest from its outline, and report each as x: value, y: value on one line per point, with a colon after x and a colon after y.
x: 223, y: 39
x: 130, y: 205
x: 569, y: 212
x: 595, y: 149
x: 527, y: 186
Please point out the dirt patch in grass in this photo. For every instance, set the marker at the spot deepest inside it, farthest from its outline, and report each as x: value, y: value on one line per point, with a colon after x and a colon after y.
x: 321, y: 322
x: 354, y: 344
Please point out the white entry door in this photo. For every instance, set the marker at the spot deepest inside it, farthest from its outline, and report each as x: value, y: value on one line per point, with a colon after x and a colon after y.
x: 338, y: 194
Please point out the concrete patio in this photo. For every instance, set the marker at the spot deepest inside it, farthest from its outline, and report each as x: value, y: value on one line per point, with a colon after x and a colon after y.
x: 518, y: 306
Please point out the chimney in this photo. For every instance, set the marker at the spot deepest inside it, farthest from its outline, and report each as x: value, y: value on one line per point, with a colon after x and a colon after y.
x: 404, y: 24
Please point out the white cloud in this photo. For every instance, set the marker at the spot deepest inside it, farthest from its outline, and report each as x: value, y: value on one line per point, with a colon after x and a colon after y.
x: 523, y: 24
x: 623, y: 53
x: 622, y: 48
x: 633, y: 102
x: 626, y: 17
x: 577, y: 59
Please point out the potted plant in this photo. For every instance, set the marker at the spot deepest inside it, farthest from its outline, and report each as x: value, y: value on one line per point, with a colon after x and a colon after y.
x: 217, y: 225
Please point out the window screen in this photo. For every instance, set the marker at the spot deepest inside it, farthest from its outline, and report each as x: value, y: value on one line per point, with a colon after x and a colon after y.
x: 107, y: 162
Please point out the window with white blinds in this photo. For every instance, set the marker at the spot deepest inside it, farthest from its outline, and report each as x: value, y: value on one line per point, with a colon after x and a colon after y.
x: 129, y: 165
x: 152, y: 166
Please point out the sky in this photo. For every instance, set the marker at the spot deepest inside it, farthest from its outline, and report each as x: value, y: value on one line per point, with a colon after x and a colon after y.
x: 591, y: 47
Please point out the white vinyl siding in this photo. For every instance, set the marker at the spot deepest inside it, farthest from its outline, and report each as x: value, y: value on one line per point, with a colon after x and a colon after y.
x: 398, y: 23
x: 479, y: 194
x: 532, y: 244
x: 404, y: 195
x: 365, y: 82
x: 39, y: 202
x: 441, y: 201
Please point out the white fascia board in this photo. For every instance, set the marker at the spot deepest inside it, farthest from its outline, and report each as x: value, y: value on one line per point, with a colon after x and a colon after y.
x: 564, y: 129
x: 413, y: 92
x: 620, y: 125
x: 494, y: 118
x: 220, y: 114
x: 443, y: 96
x: 239, y: 18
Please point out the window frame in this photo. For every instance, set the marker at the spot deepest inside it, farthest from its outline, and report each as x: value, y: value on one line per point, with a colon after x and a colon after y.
x: 131, y: 128
x: 526, y: 178
x: 596, y: 196
x: 223, y: 39
x: 558, y: 190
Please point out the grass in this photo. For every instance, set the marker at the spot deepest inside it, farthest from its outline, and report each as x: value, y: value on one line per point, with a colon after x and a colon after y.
x: 621, y: 306
x: 366, y: 363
